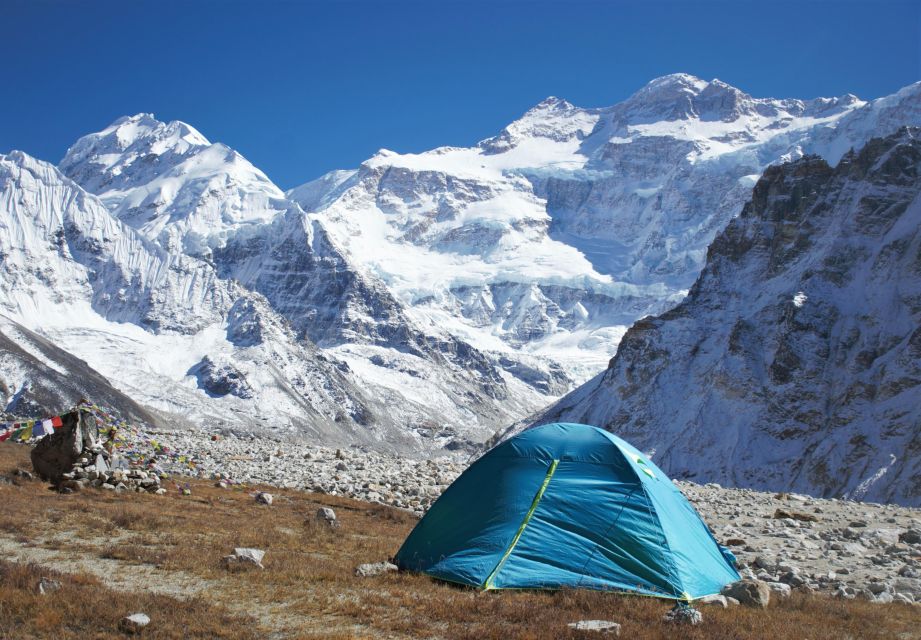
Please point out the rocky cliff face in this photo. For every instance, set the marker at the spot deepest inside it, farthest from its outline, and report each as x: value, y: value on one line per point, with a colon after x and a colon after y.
x: 795, y: 360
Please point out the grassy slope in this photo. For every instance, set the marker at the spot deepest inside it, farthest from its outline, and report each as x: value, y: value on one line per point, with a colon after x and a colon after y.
x: 161, y: 555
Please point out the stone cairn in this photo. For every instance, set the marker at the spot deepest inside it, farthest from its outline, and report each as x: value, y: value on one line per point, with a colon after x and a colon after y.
x: 75, y: 457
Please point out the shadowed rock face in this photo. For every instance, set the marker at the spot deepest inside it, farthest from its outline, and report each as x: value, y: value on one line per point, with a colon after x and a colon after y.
x: 793, y: 362
x: 38, y: 378
x: 55, y: 454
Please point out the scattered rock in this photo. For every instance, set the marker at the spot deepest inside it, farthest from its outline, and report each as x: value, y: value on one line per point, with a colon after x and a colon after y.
x: 603, y: 627
x: 683, y: 614
x: 751, y: 593
x: 134, y: 623
x: 47, y: 585
x: 374, y: 569
x: 781, y: 589
x: 912, y: 536
x: 780, y: 514
x: 327, y: 516
x: 264, y: 498
x: 717, y: 600
x: 244, y: 556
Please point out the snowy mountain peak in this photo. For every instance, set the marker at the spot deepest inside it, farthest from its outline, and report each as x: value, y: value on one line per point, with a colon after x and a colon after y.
x: 673, y: 83
x: 554, y: 119
x: 133, y: 137
x: 129, y: 129
x: 170, y: 183
x: 552, y: 103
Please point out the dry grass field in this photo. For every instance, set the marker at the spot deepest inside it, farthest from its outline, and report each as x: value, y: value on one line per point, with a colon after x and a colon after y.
x: 120, y: 554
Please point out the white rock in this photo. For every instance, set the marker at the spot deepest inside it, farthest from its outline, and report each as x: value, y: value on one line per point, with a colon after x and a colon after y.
x: 134, y: 623
x: 374, y: 569
x: 604, y: 627
x: 719, y: 600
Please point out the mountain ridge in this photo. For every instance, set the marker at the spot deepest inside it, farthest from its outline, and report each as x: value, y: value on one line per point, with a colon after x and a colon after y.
x: 419, y: 300
x: 798, y: 339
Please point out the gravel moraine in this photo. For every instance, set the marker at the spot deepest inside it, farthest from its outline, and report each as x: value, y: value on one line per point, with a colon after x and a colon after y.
x: 850, y: 549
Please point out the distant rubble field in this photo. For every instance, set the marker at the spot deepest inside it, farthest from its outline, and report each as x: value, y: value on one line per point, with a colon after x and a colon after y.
x: 112, y: 555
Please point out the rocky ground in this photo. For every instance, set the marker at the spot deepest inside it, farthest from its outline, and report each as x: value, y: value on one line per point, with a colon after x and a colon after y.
x: 851, y: 549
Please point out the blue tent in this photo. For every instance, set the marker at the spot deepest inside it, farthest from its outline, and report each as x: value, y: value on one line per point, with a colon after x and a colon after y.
x: 568, y: 505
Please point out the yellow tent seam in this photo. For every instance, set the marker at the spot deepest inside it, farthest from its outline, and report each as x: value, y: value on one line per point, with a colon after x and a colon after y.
x: 524, y: 523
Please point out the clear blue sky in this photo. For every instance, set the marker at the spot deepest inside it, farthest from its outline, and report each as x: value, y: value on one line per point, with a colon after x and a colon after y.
x: 301, y: 88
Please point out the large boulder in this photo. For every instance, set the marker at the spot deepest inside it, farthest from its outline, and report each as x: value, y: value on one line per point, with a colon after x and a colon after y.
x: 56, y: 453
x: 752, y: 593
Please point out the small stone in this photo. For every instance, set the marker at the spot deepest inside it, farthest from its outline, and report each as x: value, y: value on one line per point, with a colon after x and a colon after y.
x: 264, y: 498
x: 244, y: 556
x: 220, y: 484
x: 751, y: 593
x: 342, y: 467
x: 327, y: 516
x: 717, y: 600
x: 877, y: 588
x: 912, y: 536
x: 858, y: 523
x: 780, y: 514
x: 781, y: 589
x: 604, y: 627
x: 374, y: 569
x: 134, y: 623
x: 46, y: 585
x: 161, y: 491
x: 683, y: 614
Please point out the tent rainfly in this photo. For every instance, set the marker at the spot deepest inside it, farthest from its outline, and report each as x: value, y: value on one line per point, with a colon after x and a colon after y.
x: 568, y: 506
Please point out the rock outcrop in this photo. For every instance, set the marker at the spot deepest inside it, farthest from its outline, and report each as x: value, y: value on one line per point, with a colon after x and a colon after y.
x: 57, y: 453
x: 795, y: 360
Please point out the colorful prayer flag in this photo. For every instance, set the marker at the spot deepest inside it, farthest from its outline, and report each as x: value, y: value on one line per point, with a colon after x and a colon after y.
x: 57, y: 422
x: 48, y: 426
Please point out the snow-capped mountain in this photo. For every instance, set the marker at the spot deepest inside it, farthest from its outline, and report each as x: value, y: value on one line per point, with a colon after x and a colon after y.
x: 795, y: 360
x: 418, y: 301
x: 162, y: 326
x: 551, y: 238
x: 436, y: 386
x: 171, y: 184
